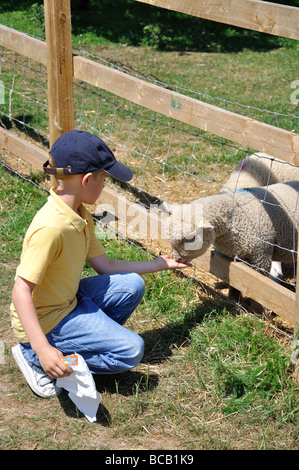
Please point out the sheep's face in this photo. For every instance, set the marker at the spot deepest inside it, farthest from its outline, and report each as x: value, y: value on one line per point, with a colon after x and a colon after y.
x: 190, y: 237
x: 192, y: 245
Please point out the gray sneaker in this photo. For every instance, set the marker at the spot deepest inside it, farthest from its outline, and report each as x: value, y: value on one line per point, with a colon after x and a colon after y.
x: 39, y: 382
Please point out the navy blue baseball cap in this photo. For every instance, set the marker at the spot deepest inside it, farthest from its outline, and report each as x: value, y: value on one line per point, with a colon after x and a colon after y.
x: 77, y: 152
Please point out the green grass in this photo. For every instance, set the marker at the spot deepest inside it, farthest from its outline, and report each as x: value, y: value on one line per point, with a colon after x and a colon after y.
x: 257, y: 71
x: 248, y: 366
x: 22, y: 198
x: 137, y: 24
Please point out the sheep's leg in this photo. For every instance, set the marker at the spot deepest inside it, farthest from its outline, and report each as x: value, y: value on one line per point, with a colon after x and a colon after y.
x: 234, y: 294
x: 276, y: 271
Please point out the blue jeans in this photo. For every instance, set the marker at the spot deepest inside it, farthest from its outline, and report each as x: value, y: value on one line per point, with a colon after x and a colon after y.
x: 94, y: 329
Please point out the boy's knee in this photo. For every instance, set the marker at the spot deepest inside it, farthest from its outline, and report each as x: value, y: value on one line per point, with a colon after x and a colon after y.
x: 137, y: 284
x: 130, y: 356
x: 140, y: 284
x: 137, y: 352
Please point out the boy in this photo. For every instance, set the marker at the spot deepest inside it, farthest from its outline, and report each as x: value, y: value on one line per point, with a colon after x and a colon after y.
x: 54, y: 311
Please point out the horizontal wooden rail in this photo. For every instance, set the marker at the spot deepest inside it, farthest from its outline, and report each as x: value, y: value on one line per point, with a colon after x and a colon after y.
x: 23, y: 44
x: 245, y: 131
x: 265, y: 17
x: 25, y: 149
x: 212, y: 119
x: 251, y: 284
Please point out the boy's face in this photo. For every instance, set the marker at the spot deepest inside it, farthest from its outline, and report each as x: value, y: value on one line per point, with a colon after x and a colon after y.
x: 94, y: 186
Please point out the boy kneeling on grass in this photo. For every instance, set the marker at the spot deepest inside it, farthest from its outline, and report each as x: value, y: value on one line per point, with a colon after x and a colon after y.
x: 54, y: 311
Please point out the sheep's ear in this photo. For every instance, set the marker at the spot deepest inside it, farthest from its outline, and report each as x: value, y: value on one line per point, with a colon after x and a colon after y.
x: 192, y: 242
x: 205, y: 224
x: 208, y: 226
x: 167, y: 207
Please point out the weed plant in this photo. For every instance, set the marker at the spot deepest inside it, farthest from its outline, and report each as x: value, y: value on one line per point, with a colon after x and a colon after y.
x: 249, y: 368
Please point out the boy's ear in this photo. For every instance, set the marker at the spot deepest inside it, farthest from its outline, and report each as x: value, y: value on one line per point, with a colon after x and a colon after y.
x: 85, y: 179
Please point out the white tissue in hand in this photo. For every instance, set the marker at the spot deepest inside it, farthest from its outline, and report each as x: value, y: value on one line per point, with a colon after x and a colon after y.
x: 82, y: 390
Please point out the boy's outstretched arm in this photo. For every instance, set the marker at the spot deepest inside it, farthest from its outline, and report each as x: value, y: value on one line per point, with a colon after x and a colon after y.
x: 49, y: 357
x: 104, y: 265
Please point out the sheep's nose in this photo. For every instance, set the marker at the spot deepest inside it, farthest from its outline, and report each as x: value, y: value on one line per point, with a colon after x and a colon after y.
x: 178, y: 257
x: 184, y: 259
x: 176, y: 254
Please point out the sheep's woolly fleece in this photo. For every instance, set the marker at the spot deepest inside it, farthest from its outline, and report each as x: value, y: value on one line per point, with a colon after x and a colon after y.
x: 257, y: 225
x: 260, y: 169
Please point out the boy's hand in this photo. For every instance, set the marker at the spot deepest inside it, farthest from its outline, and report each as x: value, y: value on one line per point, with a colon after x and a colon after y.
x: 165, y: 262
x: 50, y: 360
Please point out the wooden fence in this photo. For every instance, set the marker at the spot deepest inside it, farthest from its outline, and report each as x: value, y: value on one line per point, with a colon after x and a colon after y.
x: 63, y: 66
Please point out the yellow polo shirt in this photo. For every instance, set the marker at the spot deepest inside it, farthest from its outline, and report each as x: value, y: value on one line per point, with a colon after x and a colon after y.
x: 57, y: 243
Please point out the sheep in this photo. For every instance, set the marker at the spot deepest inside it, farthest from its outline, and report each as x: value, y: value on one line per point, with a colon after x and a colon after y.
x: 260, y: 169
x: 257, y: 225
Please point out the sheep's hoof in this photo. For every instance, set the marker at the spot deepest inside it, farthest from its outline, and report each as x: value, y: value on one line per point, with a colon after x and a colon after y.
x: 234, y: 294
x: 221, y: 285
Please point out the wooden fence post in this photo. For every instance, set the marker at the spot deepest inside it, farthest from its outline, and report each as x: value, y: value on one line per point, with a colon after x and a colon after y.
x: 296, y: 315
x: 59, y: 67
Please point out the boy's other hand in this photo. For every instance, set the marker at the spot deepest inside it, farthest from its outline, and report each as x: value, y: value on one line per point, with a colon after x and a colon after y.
x: 50, y: 360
